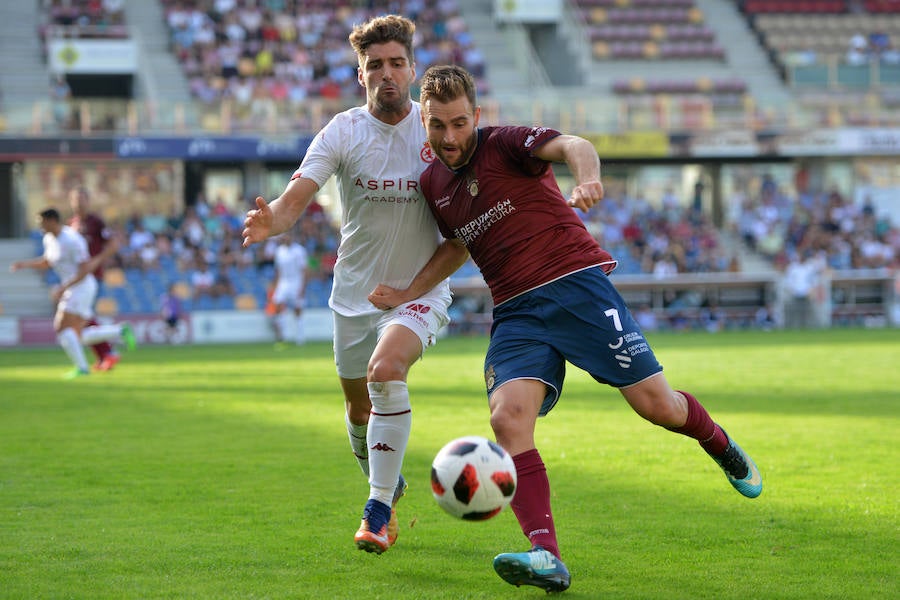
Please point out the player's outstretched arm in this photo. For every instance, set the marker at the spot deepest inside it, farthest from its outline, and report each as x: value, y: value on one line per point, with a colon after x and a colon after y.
x: 32, y: 263
x: 276, y: 217
x: 447, y: 258
x: 581, y: 157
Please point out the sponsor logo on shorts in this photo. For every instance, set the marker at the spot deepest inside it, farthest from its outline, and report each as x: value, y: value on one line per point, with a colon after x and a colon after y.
x: 415, y: 311
x: 629, y: 346
x: 419, y: 308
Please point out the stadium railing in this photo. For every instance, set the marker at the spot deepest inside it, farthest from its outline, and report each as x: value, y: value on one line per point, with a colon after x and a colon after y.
x: 844, y: 298
x: 601, y: 114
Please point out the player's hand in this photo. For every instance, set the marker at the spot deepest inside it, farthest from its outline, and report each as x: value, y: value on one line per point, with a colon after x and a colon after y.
x: 56, y: 293
x: 384, y: 297
x: 258, y: 224
x: 586, y: 195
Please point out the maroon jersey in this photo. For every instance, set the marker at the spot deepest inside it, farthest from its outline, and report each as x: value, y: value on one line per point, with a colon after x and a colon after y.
x: 506, y: 207
x: 95, y: 232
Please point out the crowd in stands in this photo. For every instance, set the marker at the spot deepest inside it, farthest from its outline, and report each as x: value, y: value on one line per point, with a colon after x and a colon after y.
x: 662, y: 240
x: 197, y: 254
x: 844, y: 233
x: 266, y: 53
x: 199, y: 251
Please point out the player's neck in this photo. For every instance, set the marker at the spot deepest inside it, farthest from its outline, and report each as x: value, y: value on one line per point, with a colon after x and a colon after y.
x: 391, y: 117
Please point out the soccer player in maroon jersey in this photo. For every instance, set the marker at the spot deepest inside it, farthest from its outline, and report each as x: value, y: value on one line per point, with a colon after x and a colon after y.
x: 493, y: 191
x: 100, y: 243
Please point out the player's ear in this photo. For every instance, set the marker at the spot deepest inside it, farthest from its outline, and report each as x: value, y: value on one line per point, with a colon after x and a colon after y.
x: 477, y: 115
x: 359, y: 77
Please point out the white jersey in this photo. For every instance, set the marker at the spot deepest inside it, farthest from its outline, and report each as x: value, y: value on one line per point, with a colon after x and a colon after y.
x: 290, y: 263
x: 65, y: 252
x: 387, y: 230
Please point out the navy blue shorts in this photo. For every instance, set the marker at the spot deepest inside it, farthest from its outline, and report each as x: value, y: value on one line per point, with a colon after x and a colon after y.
x: 580, y: 318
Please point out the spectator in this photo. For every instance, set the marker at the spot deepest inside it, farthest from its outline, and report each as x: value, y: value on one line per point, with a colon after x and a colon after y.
x: 170, y: 312
x: 202, y: 280
x: 800, y: 280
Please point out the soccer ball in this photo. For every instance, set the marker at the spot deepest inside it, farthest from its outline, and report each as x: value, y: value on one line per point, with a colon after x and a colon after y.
x: 473, y: 478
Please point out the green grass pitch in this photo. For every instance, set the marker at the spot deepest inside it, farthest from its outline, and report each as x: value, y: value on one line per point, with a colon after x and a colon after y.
x: 225, y: 472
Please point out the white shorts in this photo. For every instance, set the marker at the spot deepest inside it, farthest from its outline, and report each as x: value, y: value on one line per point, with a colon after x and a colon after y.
x: 79, y: 299
x: 287, y: 293
x: 355, y: 337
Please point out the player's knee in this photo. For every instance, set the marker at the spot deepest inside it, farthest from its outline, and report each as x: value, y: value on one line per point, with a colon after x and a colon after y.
x: 662, y: 410
x: 508, y: 420
x: 386, y: 368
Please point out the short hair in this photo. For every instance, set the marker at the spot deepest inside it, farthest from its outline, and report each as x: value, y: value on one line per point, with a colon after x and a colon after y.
x: 446, y: 83
x: 381, y: 30
x: 50, y: 214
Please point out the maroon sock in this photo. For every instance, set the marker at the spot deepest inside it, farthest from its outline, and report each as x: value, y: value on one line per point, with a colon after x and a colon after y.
x: 102, y: 350
x: 531, y: 504
x: 701, y: 427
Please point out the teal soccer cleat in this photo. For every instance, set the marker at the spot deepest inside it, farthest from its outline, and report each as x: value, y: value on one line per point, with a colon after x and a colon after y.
x: 536, y: 567
x: 740, y: 470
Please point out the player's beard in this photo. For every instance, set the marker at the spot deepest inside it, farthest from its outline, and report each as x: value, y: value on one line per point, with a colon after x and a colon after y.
x: 465, y: 149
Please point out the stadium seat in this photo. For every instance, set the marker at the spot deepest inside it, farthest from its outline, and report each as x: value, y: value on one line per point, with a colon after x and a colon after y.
x: 182, y: 290
x: 107, y: 306
x: 245, y: 302
x: 113, y: 278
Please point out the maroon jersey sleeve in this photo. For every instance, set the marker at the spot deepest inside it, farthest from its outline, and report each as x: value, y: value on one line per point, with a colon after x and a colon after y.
x: 506, y: 207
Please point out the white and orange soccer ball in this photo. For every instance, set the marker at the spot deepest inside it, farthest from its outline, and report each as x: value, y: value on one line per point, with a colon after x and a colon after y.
x: 473, y: 478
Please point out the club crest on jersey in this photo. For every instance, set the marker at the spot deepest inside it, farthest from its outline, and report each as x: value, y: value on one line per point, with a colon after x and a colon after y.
x: 426, y: 153
x: 472, y: 186
x: 489, y: 377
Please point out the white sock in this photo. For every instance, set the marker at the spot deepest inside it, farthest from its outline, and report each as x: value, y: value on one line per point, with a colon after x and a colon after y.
x: 387, y: 437
x: 101, y: 333
x: 70, y: 343
x: 357, y: 435
x: 284, y: 325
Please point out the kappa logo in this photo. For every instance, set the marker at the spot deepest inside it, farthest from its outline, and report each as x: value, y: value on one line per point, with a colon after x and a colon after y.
x: 419, y: 308
x: 535, y: 133
x: 382, y: 447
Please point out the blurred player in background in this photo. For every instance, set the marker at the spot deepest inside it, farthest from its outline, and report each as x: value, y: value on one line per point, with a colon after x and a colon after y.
x: 170, y: 311
x: 102, y: 246
x: 494, y: 193
x: 288, y: 297
x: 388, y: 234
x: 66, y: 252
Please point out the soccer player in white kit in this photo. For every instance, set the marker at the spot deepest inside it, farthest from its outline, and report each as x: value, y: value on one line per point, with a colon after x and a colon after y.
x: 291, y: 267
x: 66, y: 252
x: 388, y: 236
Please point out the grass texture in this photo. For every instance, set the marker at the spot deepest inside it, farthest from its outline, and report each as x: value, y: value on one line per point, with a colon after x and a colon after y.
x: 225, y: 472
